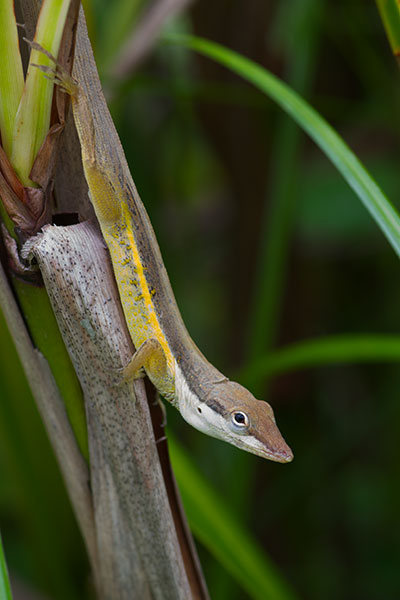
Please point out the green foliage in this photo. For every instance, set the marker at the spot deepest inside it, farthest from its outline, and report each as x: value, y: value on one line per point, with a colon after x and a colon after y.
x: 5, y: 591
x: 224, y: 537
x: 11, y: 74
x: 390, y: 14
x: 25, y: 111
x: 322, y: 351
x: 317, y: 128
x: 46, y: 335
x: 301, y: 42
x: 34, y: 509
x: 33, y: 116
x: 120, y: 19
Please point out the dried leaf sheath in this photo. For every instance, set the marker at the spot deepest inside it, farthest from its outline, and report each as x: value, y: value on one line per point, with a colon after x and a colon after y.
x: 52, y: 411
x: 135, y: 530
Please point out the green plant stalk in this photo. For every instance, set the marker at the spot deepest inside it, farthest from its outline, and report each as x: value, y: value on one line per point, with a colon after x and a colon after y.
x: 46, y: 335
x: 11, y: 73
x: 5, y: 590
x: 389, y: 11
x: 33, y: 115
x: 341, y: 349
x: 374, y: 200
x: 224, y: 537
x: 276, y: 234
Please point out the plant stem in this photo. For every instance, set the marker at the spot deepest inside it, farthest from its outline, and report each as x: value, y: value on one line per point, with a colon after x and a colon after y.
x: 11, y: 73
x: 33, y: 116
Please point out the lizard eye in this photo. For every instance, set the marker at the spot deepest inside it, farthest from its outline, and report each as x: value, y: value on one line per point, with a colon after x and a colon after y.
x: 239, y: 421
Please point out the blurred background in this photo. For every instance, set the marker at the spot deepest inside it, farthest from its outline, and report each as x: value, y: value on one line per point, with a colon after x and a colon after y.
x: 266, y: 246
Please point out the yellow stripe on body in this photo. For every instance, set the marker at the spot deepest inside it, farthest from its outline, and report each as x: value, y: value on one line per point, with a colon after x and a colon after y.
x: 136, y: 297
x: 112, y: 210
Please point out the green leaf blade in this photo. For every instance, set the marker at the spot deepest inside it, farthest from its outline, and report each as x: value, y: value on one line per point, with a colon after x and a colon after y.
x: 390, y: 15
x: 5, y: 590
x: 331, y: 350
x: 312, y: 123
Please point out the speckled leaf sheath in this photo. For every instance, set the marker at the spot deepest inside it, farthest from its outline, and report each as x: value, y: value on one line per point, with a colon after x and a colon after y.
x: 139, y: 555
x: 54, y: 416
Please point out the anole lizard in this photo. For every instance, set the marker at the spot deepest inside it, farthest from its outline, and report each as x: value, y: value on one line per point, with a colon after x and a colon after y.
x: 205, y: 398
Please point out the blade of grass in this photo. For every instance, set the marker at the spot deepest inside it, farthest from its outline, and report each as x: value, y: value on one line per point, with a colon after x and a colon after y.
x: 323, y: 351
x: 33, y: 115
x: 375, y: 201
x: 5, y: 590
x: 276, y: 234
x: 221, y: 533
x: 11, y: 73
x: 390, y: 15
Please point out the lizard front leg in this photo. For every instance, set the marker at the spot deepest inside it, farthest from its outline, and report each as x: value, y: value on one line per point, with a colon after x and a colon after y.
x: 151, y: 356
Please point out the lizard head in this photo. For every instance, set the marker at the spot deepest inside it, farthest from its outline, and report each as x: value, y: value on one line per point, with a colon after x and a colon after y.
x: 231, y: 413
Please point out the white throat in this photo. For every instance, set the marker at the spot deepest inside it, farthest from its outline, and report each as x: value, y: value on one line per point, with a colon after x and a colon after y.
x: 193, y: 409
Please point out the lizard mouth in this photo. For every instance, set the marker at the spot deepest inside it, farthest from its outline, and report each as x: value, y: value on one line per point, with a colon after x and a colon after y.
x: 283, y: 455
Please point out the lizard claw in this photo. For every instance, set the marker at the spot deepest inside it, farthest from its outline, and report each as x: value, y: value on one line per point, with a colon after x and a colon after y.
x: 119, y: 375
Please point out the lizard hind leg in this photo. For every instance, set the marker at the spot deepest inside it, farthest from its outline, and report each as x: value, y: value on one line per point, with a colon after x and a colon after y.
x: 150, y: 356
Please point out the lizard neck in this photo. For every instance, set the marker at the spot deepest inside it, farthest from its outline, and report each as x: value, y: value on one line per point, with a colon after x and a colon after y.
x: 193, y: 401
